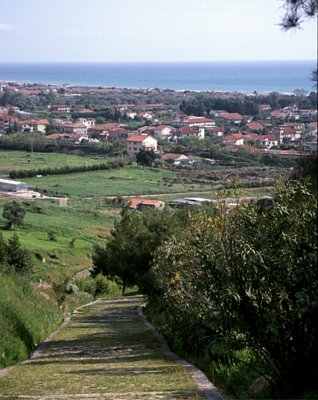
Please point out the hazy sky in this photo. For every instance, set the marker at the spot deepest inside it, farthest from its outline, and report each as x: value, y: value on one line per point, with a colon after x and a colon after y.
x: 149, y: 30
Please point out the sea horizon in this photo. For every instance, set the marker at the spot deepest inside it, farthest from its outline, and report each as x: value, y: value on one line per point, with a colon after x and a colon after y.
x: 224, y: 76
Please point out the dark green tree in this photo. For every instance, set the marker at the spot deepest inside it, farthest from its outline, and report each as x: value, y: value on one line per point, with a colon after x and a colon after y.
x: 14, y: 213
x: 146, y: 158
x: 3, y: 250
x: 128, y: 253
x: 18, y: 258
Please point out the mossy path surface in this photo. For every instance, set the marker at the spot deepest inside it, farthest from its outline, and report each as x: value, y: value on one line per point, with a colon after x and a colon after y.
x: 106, y: 351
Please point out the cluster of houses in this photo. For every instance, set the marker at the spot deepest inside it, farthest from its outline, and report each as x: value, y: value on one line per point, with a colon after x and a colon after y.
x: 272, y: 130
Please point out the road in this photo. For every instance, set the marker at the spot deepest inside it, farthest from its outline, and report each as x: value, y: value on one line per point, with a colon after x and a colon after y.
x: 105, y: 351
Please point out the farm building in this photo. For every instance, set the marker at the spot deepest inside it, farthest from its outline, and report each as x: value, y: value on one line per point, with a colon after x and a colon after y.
x: 8, y: 185
x: 141, y: 203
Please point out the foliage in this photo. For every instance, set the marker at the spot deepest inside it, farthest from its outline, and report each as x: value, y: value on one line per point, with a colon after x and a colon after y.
x: 99, y: 286
x: 146, y: 157
x: 204, y: 103
x: 29, y: 173
x: 297, y: 10
x: 17, y: 257
x: 40, y: 143
x: 128, y: 253
x: 307, y: 168
x: 251, y: 274
x: 14, y: 213
x: 13, y: 257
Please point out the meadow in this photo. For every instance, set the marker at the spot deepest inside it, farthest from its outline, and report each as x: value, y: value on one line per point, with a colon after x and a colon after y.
x: 61, y: 238
x: 22, y: 160
x: 129, y: 180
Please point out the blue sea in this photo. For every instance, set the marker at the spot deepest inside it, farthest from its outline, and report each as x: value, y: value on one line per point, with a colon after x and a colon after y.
x: 280, y: 76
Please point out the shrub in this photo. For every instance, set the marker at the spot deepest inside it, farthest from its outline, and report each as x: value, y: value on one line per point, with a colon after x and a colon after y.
x: 14, y: 213
x: 250, y: 274
x: 87, y: 285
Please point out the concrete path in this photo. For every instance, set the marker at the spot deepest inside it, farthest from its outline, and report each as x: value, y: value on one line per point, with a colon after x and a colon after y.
x: 105, y: 352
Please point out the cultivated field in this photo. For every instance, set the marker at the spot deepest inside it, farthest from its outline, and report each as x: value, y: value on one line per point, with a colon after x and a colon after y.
x: 17, y: 160
x: 62, y: 238
x: 125, y: 181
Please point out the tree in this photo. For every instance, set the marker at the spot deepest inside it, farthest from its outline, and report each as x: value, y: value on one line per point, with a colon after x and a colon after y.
x: 14, y: 213
x: 3, y: 250
x: 128, y: 253
x: 146, y: 158
x: 297, y: 10
x: 251, y: 274
x: 18, y: 258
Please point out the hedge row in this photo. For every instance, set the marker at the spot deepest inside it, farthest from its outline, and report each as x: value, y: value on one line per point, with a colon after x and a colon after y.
x: 66, y: 169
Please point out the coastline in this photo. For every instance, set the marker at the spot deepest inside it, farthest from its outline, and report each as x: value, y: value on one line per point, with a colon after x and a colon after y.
x: 82, y: 86
x: 241, y: 77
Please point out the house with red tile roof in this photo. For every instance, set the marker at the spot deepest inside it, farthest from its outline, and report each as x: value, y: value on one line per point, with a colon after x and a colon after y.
x: 255, y: 126
x: 191, y: 131
x: 137, y: 142
x: 236, y: 139
x: 235, y: 118
x: 138, y: 203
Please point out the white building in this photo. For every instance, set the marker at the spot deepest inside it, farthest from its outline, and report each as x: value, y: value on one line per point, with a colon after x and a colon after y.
x: 88, y: 122
x: 9, y: 185
x: 163, y: 131
x: 135, y: 143
x: 202, y: 122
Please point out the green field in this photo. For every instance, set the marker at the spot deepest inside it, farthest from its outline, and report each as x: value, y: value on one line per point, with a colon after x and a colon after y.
x: 125, y: 181
x: 22, y: 160
x: 89, y: 215
x: 57, y: 259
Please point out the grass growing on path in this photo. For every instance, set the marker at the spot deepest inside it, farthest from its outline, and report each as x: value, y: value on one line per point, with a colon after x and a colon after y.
x: 106, y: 350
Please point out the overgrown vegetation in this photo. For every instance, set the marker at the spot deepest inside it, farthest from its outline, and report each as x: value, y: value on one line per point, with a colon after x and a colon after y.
x: 236, y: 291
x: 40, y: 143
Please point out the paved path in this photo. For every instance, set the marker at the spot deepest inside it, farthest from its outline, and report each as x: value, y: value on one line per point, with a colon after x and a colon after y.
x: 105, y: 352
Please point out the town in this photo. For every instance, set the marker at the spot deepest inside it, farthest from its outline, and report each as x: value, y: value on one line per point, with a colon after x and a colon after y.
x: 172, y: 124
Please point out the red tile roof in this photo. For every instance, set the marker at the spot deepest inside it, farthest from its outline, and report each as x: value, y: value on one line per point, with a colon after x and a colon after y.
x: 137, y: 201
x: 231, y: 116
x: 255, y: 125
x: 137, y: 138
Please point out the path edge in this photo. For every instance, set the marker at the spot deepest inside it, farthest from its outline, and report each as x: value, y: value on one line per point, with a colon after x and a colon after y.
x: 43, y: 345
x: 206, y: 387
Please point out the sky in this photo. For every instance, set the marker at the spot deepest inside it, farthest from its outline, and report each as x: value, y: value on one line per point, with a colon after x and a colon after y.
x: 150, y: 30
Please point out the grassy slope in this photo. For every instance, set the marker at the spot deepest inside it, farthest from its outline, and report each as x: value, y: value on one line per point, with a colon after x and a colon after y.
x: 57, y: 259
x: 26, y: 318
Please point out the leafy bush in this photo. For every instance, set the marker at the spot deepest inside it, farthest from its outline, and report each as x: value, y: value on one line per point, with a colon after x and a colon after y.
x: 14, y: 213
x: 13, y: 257
x: 100, y: 286
x: 251, y: 273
